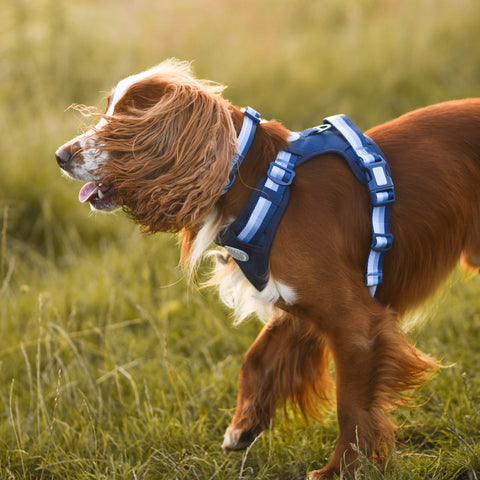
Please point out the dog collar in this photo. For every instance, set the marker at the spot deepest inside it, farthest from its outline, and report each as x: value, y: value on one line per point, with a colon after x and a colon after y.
x: 251, y: 119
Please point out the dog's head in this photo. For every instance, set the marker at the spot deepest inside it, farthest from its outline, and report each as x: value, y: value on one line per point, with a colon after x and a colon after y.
x: 162, y: 150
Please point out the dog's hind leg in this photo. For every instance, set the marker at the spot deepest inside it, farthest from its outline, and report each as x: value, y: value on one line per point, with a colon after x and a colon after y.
x: 374, y: 368
x: 288, y: 361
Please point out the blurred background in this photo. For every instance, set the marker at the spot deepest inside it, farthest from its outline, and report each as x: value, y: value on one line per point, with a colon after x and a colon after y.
x: 93, y: 315
x: 295, y: 61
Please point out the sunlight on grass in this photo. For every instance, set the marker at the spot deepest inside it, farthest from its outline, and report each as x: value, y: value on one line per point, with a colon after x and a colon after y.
x: 113, y: 366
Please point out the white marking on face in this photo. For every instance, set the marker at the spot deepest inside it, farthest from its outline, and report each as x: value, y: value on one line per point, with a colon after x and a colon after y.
x: 93, y: 158
x: 89, y: 157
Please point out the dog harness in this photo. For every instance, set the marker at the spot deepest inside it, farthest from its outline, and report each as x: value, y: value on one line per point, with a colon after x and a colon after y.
x: 249, y: 238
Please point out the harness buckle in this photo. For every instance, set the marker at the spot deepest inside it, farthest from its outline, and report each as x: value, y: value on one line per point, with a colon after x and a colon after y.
x: 381, y: 242
x: 379, y: 183
x: 283, y: 178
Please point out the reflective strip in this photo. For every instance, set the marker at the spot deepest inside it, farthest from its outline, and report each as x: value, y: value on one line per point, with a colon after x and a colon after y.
x: 256, y: 219
x: 262, y: 206
x: 250, y: 120
x: 360, y: 147
x: 372, y: 268
x: 378, y: 219
x: 248, y: 125
x: 373, y: 271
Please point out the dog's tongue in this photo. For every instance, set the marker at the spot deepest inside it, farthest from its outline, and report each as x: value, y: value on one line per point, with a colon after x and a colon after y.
x: 88, y: 191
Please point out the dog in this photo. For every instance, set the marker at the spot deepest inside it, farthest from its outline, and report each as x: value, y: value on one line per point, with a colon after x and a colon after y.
x: 163, y: 152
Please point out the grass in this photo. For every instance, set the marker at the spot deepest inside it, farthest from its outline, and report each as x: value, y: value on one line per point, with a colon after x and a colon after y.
x: 112, y: 366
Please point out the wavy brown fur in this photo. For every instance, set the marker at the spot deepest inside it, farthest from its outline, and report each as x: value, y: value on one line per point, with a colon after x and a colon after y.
x: 169, y: 158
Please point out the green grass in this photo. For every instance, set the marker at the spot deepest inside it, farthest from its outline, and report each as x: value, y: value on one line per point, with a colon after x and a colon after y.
x: 112, y: 366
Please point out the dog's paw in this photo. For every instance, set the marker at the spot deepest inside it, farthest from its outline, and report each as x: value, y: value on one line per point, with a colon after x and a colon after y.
x: 238, y: 439
x: 325, y: 473
x: 231, y: 439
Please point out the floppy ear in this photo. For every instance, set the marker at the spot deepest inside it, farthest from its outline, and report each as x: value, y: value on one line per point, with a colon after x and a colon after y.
x: 169, y: 163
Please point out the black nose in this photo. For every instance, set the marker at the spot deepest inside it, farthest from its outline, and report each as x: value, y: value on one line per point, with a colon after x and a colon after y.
x: 63, y: 156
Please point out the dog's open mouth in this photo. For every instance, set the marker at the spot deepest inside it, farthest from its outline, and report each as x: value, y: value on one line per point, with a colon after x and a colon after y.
x: 100, y: 196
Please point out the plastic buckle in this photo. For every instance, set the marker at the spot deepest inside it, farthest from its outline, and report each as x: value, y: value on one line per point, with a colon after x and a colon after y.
x: 379, y: 184
x: 283, y: 181
x: 253, y: 114
x: 381, y: 242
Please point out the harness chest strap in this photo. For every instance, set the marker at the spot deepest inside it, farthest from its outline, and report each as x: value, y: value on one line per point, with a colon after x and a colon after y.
x: 249, y: 238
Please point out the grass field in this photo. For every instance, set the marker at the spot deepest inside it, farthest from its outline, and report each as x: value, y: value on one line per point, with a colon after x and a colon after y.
x: 112, y: 366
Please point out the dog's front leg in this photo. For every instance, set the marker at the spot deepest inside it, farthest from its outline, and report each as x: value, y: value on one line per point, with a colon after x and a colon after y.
x: 288, y: 361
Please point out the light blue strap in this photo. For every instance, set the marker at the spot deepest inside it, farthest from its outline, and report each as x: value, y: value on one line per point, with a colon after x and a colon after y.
x: 257, y: 218
x: 381, y: 242
x: 381, y: 191
x: 280, y: 174
x: 251, y: 119
x: 353, y: 136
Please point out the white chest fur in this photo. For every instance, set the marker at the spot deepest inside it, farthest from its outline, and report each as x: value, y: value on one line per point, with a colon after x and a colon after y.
x: 234, y: 289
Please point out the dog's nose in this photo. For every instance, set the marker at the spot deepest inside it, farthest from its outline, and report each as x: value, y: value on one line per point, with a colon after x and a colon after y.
x: 63, y: 156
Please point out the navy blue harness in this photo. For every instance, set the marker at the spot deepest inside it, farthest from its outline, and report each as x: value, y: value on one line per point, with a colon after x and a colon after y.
x: 249, y: 238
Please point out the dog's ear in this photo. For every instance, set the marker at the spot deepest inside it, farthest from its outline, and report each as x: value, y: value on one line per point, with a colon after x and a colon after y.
x: 193, y: 130
x: 170, y: 164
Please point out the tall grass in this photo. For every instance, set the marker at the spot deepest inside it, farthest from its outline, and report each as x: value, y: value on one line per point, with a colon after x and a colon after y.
x: 111, y: 365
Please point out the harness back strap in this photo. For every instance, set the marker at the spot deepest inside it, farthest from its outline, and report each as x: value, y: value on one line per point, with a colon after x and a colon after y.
x: 380, y: 187
x: 249, y: 238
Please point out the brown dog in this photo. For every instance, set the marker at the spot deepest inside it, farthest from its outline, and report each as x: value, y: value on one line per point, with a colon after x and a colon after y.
x: 163, y: 151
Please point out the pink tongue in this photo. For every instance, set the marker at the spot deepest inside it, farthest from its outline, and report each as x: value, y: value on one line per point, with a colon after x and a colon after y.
x: 88, y: 191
